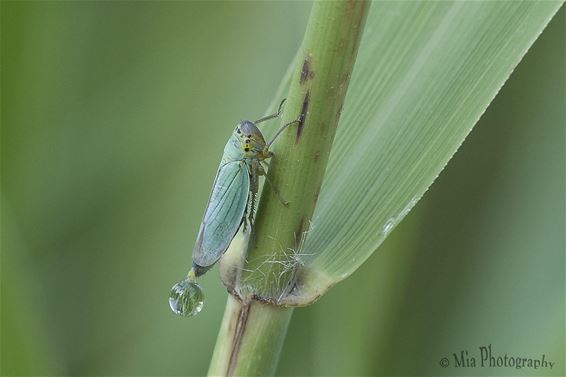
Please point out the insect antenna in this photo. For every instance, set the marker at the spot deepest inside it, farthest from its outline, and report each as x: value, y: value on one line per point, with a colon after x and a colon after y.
x: 276, y: 115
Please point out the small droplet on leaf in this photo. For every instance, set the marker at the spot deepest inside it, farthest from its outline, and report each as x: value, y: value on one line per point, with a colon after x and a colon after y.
x: 388, y: 226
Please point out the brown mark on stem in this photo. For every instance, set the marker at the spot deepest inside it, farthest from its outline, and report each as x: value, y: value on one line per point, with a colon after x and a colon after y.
x: 354, y: 48
x: 351, y: 5
x: 339, y: 112
x: 316, y: 194
x: 306, y: 73
x: 304, y: 111
x: 299, y: 231
x: 243, y: 316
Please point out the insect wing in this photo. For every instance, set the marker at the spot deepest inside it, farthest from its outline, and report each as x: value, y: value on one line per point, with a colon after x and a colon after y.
x: 223, y: 214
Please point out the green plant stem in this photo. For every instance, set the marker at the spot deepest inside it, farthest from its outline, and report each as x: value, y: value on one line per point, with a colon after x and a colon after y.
x: 317, y: 92
x: 256, y: 353
x: 254, y: 326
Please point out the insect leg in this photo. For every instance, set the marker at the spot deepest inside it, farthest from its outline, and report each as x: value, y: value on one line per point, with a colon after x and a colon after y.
x: 283, y: 127
x: 279, y: 111
x: 259, y: 170
x: 251, y: 207
x: 252, y: 196
x: 251, y: 213
x: 281, y: 199
x: 245, y: 217
x: 252, y: 200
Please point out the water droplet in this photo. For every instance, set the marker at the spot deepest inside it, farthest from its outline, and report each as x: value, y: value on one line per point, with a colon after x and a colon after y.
x: 408, y: 208
x: 388, y: 226
x: 186, y: 298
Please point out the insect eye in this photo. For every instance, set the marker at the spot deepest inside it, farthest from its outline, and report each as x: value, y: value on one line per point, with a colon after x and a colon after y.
x: 238, y: 130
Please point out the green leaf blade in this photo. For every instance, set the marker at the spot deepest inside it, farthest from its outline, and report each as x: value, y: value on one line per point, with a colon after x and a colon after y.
x: 425, y: 74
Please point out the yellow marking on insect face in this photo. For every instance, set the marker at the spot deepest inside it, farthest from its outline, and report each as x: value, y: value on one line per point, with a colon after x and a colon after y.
x: 251, y: 139
x: 251, y: 145
x: 247, y: 145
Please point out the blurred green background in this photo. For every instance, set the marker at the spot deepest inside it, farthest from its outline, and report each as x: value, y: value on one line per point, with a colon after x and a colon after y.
x: 114, y: 116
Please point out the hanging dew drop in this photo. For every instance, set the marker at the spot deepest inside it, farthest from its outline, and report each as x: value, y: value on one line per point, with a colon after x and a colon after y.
x: 186, y: 298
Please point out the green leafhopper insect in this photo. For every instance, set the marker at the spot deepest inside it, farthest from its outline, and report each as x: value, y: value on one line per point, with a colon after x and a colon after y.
x: 231, y: 204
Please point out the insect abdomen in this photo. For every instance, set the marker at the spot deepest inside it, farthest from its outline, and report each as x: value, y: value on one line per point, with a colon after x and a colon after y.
x: 223, y: 214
